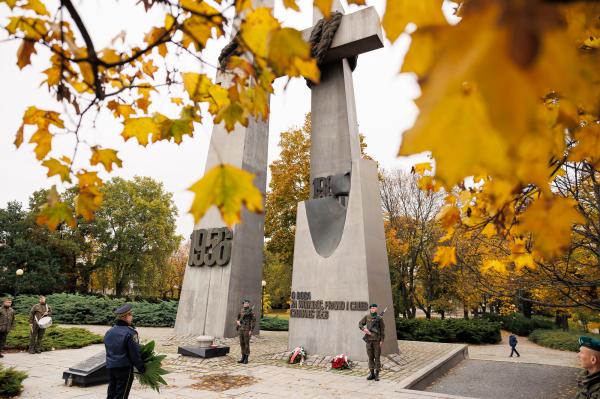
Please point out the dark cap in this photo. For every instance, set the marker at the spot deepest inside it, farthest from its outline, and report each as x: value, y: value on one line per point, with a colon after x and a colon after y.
x: 373, y: 305
x: 590, y: 342
x: 124, y: 309
x: 245, y: 300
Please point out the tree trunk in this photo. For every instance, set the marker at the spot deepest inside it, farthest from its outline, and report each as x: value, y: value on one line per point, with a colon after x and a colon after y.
x: 465, y: 312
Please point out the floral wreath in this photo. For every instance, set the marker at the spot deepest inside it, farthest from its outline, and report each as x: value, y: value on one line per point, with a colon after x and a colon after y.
x: 341, y: 362
x: 298, y: 355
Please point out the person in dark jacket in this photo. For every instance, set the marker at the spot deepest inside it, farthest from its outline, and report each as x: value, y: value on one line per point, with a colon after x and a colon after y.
x: 36, y: 334
x: 246, y: 321
x: 7, y: 321
x: 588, y: 382
x: 122, y: 354
x: 512, y: 341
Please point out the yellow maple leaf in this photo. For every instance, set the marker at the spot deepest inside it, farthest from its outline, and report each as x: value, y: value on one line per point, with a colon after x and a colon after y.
x: 24, y: 53
x: 106, y: 156
x: 493, y: 265
x: 37, y: 6
x: 324, y: 6
x: 291, y: 4
x: 256, y: 30
x: 56, y: 167
x: 89, y: 197
x: 289, y: 54
x: 42, y: 139
x: 228, y: 188
x: 445, y: 256
x: 550, y: 220
x: 231, y: 114
x: 489, y: 230
x: 423, y: 13
x: 139, y: 128
x: 449, y: 216
x: 421, y: 168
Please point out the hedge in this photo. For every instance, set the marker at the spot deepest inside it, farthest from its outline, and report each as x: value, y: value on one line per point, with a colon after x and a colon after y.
x: 520, y: 325
x: 55, y: 337
x: 559, y: 339
x: 274, y: 324
x: 11, y: 381
x: 449, y: 330
x: 89, y: 309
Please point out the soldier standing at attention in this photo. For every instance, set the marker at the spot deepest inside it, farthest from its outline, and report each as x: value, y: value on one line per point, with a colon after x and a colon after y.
x: 7, y: 321
x: 588, y: 381
x: 38, y: 311
x: 374, y: 328
x: 122, y: 353
x: 245, y: 324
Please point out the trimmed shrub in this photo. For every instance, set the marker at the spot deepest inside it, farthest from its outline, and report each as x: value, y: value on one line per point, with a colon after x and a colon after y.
x: 520, y: 325
x: 55, y: 338
x: 84, y: 309
x: 558, y: 339
x: 449, y: 330
x: 11, y: 381
x: 274, y: 324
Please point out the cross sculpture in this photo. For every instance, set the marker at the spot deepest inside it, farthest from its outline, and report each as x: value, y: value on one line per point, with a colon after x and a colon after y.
x: 340, y: 258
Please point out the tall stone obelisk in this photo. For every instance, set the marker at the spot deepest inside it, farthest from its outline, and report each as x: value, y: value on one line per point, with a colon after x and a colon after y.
x: 340, y: 258
x: 225, y: 265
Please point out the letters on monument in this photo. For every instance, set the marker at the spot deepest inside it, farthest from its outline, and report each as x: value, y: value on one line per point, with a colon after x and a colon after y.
x: 210, y: 247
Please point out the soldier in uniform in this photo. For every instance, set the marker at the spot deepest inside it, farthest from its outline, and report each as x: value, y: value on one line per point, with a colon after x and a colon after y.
x: 39, y: 310
x: 374, y: 328
x: 7, y: 321
x: 122, y: 353
x: 588, y: 381
x: 245, y: 324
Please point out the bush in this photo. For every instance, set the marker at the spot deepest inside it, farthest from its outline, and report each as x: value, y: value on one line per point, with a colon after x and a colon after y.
x: 520, y: 325
x: 274, y: 324
x: 84, y: 309
x: 449, y: 330
x: 558, y: 339
x: 55, y: 338
x: 11, y: 381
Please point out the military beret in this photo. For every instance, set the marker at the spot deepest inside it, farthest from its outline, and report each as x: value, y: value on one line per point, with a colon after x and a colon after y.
x: 373, y: 305
x: 124, y: 309
x: 7, y: 298
x: 590, y: 342
x: 245, y: 300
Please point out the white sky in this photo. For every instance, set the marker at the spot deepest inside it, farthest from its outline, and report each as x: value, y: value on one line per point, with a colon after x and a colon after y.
x: 384, y: 102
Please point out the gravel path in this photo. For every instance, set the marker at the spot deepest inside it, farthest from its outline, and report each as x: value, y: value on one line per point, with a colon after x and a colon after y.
x: 499, y: 380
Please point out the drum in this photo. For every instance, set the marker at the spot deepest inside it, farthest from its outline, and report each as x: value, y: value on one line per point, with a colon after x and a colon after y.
x: 45, y: 322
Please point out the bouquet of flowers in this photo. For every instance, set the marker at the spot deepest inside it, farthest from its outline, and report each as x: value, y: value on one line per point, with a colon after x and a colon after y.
x: 152, y: 376
x: 298, y: 355
x: 341, y: 362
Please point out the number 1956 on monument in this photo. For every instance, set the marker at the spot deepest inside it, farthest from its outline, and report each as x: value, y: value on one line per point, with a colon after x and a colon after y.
x: 210, y: 247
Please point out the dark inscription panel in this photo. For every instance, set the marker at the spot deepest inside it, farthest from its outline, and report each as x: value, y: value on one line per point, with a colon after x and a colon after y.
x: 211, y: 247
x: 304, y: 307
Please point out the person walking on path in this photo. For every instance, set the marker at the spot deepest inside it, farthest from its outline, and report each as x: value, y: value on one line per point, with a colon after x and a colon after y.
x: 588, y: 382
x: 7, y: 321
x: 374, y: 328
x: 512, y: 341
x: 246, y: 321
x: 36, y: 334
x: 122, y: 354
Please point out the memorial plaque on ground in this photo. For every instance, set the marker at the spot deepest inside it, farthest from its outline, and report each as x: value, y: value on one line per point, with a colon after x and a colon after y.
x: 340, y: 258
x: 91, y: 371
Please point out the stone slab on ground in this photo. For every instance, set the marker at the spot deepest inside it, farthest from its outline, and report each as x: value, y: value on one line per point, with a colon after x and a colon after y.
x: 497, y: 380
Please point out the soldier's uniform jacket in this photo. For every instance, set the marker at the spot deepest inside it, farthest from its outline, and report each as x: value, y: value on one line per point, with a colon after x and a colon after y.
x: 122, y: 347
x: 7, y: 319
x: 375, y: 325
x: 247, y: 319
x: 37, y: 312
x: 588, y: 386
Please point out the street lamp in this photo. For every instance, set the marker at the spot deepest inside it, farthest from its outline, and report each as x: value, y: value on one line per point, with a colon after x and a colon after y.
x: 19, y: 273
x: 262, y: 299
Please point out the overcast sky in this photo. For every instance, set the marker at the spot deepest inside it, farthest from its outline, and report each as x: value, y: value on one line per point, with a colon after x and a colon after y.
x: 384, y: 102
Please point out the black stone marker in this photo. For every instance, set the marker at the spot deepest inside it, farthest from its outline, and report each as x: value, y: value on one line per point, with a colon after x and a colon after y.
x: 206, y: 353
x: 91, y: 371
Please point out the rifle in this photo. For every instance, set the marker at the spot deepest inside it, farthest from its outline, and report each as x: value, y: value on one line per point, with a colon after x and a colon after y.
x: 375, y: 325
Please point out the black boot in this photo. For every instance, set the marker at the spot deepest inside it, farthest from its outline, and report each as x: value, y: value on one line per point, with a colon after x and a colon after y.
x: 246, y: 359
x: 242, y: 359
x: 376, y: 375
x: 371, y: 375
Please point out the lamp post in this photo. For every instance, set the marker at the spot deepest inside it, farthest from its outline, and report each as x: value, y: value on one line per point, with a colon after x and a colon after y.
x: 19, y: 273
x: 262, y: 299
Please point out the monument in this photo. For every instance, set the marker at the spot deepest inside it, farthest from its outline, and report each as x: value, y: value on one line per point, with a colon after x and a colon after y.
x: 225, y: 265
x: 340, y: 258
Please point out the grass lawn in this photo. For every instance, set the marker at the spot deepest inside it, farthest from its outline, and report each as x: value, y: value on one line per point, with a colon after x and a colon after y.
x: 281, y: 313
x: 558, y: 339
x: 55, y: 337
